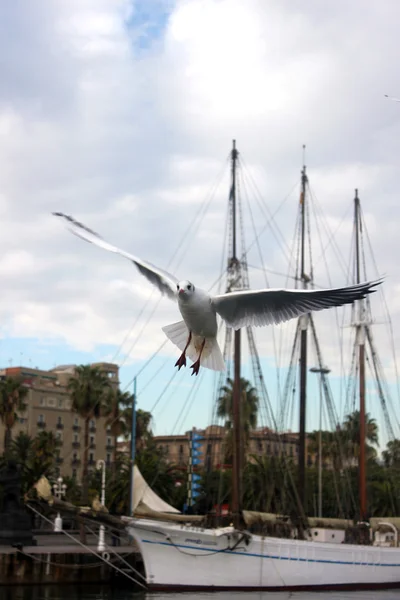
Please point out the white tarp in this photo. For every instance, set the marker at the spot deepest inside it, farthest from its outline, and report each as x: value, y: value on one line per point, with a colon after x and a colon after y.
x: 144, y: 497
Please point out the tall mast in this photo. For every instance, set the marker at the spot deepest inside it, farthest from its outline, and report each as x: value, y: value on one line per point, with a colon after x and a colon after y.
x: 303, y: 350
x: 234, y: 270
x: 360, y: 337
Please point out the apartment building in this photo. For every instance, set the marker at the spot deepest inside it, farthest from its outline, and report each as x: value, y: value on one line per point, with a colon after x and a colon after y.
x: 48, y: 408
x: 262, y: 442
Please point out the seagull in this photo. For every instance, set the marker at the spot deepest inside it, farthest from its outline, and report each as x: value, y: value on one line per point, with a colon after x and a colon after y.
x: 392, y: 98
x: 196, y: 334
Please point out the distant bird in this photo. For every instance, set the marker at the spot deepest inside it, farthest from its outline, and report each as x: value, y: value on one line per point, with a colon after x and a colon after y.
x: 196, y: 335
x: 392, y: 98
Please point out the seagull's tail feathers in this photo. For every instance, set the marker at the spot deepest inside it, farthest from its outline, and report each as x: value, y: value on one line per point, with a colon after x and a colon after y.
x: 211, y: 357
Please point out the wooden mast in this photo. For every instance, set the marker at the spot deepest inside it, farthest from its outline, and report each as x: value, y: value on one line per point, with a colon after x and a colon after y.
x: 303, y: 351
x: 360, y: 340
x: 234, y: 268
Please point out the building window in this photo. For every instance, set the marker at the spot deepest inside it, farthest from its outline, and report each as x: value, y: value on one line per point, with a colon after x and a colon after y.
x: 73, y: 473
x: 108, y: 458
x: 91, y: 457
x: 42, y: 401
x: 108, y: 441
x: 59, y: 420
x: 92, y: 423
x: 91, y: 440
x: 76, y: 438
x: 59, y: 436
x: 41, y: 419
x: 259, y: 445
x: 181, y: 449
x: 76, y: 421
x: 60, y: 403
x: 167, y: 449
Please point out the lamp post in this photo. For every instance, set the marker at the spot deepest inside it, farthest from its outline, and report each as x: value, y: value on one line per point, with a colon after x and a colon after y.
x: 59, y: 489
x: 101, y: 546
x: 321, y: 371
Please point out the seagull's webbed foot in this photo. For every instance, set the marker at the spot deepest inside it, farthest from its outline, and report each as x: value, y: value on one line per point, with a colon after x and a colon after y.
x: 196, y: 365
x: 181, y: 362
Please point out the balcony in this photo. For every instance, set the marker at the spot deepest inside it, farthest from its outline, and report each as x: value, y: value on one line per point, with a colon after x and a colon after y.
x: 92, y: 446
x: 91, y: 462
x: 60, y: 426
x: 41, y: 424
x: 75, y: 462
x: 76, y: 428
x: 59, y: 460
x: 76, y: 444
x: 109, y: 447
x: 92, y: 428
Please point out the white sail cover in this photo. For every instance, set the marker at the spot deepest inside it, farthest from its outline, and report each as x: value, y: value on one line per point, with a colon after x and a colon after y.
x: 144, y: 497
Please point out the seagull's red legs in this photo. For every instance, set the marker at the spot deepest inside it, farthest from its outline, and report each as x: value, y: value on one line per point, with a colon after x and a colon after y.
x: 181, y: 362
x: 196, y: 365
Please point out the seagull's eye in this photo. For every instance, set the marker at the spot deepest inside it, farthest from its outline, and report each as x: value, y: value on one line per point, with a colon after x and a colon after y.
x: 177, y: 286
x: 189, y: 287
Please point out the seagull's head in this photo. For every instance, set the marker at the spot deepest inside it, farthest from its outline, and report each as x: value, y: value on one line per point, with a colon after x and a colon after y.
x: 185, y: 289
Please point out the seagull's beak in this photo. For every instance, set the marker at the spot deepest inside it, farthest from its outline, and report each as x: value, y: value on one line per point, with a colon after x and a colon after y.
x: 181, y: 291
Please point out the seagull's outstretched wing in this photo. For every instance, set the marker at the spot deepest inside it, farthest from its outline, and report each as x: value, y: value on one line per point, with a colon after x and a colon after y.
x: 264, y: 307
x: 166, y: 283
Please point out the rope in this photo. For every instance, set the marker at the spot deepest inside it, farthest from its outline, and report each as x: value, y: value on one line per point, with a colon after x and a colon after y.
x: 89, y: 549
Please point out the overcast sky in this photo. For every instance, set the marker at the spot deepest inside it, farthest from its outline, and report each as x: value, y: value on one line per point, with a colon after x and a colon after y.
x: 122, y: 113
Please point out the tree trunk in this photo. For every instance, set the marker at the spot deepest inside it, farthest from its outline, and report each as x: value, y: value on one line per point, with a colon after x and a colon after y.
x: 7, y: 439
x: 85, y: 497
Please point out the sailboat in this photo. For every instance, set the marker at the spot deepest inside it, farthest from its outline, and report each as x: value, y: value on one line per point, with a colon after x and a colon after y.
x: 179, y: 553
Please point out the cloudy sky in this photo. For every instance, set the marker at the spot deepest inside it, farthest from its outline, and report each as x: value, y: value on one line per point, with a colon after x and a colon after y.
x: 122, y: 112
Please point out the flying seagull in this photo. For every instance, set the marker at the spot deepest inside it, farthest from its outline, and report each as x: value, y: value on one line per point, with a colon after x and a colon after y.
x: 392, y: 98
x: 196, y: 335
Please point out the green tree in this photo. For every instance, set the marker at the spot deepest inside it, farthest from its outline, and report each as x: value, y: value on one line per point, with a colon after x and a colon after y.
x: 12, y: 394
x: 88, y: 388
x: 351, y: 435
x: 391, y: 456
x: 114, y: 405
x: 249, y: 402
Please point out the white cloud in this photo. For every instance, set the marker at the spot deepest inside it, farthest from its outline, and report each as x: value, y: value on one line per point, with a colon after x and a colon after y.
x: 129, y: 134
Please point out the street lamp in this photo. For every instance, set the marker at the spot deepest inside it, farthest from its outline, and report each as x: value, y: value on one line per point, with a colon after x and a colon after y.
x: 321, y: 371
x: 59, y: 489
x: 101, y: 546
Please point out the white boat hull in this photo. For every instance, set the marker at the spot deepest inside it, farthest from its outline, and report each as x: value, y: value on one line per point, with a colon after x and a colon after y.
x: 185, y: 557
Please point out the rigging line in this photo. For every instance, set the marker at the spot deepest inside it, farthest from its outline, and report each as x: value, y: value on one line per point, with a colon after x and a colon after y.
x: 271, y: 215
x: 127, y: 335
x: 266, y: 282
x: 88, y: 548
x: 335, y: 247
x: 210, y: 196
x: 200, y: 217
x: 146, y: 364
x: 165, y: 388
x: 188, y: 404
x: 265, y: 270
x: 386, y: 307
x: 139, y: 335
x: 151, y: 380
x: 332, y: 235
x: 338, y: 328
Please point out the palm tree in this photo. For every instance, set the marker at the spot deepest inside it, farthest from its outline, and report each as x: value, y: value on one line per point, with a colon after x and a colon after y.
x: 351, y: 434
x: 115, y: 403
x: 143, y: 431
x: 12, y: 394
x: 88, y: 389
x: 249, y: 411
x: 391, y: 456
